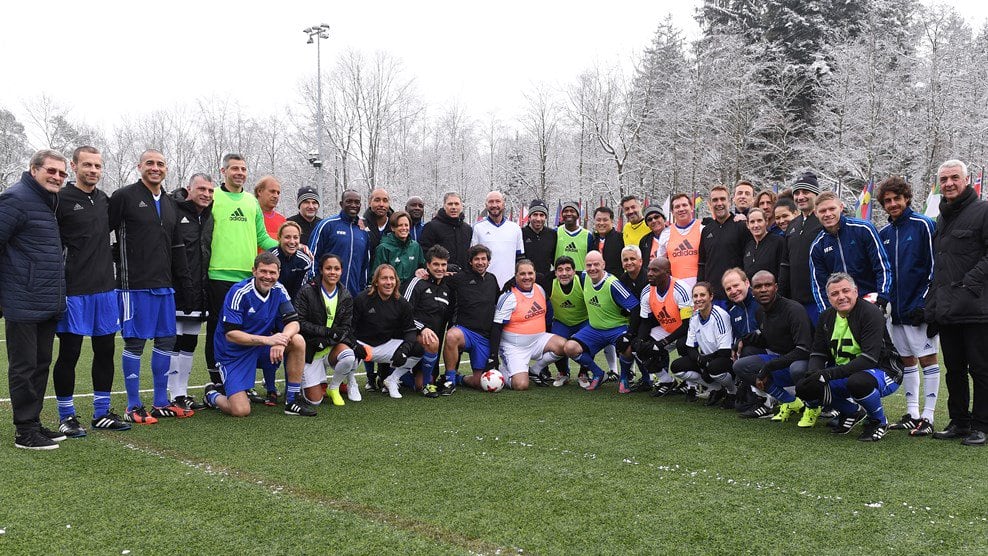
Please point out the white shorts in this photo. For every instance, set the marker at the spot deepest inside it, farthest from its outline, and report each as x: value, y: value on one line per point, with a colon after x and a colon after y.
x: 314, y: 373
x: 384, y: 352
x: 188, y: 327
x: 911, y: 341
x: 515, y: 354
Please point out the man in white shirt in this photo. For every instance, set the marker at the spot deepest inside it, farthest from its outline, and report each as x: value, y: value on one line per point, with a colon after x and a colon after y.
x: 501, y: 236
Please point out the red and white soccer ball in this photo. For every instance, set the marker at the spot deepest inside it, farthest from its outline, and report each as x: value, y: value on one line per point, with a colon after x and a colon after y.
x: 492, y: 381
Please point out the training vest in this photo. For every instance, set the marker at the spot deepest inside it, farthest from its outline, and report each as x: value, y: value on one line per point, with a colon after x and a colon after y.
x: 666, y: 310
x: 573, y: 246
x: 330, y: 302
x: 633, y: 233
x: 603, y: 312
x: 568, y: 308
x: 234, y: 236
x: 843, y: 346
x: 683, y: 251
x: 529, y: 314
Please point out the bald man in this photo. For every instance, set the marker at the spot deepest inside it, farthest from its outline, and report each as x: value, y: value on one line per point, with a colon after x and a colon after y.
x: 376, y: 218
x: 608, y: 305
x: 500, y: 235
x: 415, y: 207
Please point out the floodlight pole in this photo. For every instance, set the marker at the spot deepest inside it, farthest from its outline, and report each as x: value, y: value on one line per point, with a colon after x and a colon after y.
x: 316, y: 33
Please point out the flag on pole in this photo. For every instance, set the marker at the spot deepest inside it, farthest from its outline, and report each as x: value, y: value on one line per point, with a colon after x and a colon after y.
x: 933, y: 201
x: 559, y: 212
x: 698, y: 204
x: 977, y: 183
x: 666, y: 210
x: 863, y: 208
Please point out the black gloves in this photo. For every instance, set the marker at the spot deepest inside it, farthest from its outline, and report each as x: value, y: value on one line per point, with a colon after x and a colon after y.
x: 623, y: 343
x: 932, y: 329
x: 360, y: 352
x: 400, y: 356
x: 493, y: 362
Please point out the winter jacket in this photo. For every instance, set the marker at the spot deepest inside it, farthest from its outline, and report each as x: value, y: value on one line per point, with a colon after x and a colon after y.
x: 908, y: 240
x: 721, y: 248
x: 432, y: 304
x: 960, y: 263
x: 540, y: 248
x: 84, y: 225
x: 796, y: 280
x: 196, y: 231
x: 452, y: 233
x: 474, y: 297
x: 374, y: 235
x: 32, y: 275
x: 743, y: 316
x: 854, y: 249
x: 376, y: 320
x: 306, y: 226
x: 406, y: 256
x: 312, y: 319
x: 342, y: 236
x: 294, y: 269
x: 149, y: 248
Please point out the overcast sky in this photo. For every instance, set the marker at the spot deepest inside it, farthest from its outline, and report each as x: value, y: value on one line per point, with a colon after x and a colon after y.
x: 112, y: 58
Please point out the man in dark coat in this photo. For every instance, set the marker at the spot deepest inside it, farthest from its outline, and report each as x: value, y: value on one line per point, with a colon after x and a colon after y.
x: 32, y: 291
x: 449, y: 230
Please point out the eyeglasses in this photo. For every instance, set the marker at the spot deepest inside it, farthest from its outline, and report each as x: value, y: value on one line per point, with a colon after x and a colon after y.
x: 652, y: 217
x: 52, y: 171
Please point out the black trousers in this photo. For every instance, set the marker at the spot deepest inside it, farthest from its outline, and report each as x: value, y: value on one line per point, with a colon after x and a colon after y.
x: 217, y: 293
x: 966, y: 359
x: 29, y: 354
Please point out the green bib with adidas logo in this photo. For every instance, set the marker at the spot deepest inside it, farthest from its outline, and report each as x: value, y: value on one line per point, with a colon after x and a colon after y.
x: 843, y: 346
x: 604, y: 313
x: 568, y: 308
x: 234, y: 235
x: 572, y: 246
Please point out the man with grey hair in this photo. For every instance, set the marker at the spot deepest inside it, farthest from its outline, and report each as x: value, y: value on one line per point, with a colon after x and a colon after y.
x: 32, y: 291
x: 449, y: 230
x: 957, y: 303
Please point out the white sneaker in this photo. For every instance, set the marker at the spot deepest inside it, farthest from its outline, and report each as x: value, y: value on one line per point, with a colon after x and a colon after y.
x: 353, y: 389
x: 392, y: 386
x: 561, y: 380
x: 583, y: 381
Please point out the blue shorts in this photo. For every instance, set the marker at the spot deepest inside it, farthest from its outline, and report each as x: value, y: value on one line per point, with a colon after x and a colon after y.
x: 595, y: 340
x: 565, y: 330
x: 238, y: 373
x: 147, y: 313
x: 886, y: 386
x: 477, y: 346
x: 95, y: 314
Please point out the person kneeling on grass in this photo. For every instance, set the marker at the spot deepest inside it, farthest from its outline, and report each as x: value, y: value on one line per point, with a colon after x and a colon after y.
x: 608, y: 305
x: 384, y: 328
x: 325, y: 312
x: 519, y: 331
x: 245, y: 338
x: 664, y: 316
x: 707, y: 357
x: 854, y: 364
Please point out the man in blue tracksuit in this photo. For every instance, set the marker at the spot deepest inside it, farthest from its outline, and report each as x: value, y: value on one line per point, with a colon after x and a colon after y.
x: 908, y: 240
x: 342, y: 236
x: 847, y: 245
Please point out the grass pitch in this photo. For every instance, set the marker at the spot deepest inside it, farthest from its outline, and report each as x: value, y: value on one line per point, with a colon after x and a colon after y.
x: 553, y: 471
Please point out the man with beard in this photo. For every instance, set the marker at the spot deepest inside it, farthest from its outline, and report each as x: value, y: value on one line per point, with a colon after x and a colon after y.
x: 501, y: 236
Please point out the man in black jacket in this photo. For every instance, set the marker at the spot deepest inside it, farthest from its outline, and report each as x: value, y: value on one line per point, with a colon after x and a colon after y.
x: 784, y: 331
x: 795, y: 277
x: 607, y: 240
x: 540, y: 241
x: 957, y: 302
x: 432, y: 308
x: 32, y: 291
x: 153, y: 273
x: 308, y: 212
x: 91, y: 298
x: 449, y: 230
x: 722, y: 243
x: 195, y: 228
x: 475, y: 293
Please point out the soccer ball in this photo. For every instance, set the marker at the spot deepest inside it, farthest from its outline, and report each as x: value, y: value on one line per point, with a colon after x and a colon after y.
x: 492, y: 381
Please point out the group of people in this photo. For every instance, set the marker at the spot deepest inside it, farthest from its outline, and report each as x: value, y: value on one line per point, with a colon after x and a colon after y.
x: 778, y: 306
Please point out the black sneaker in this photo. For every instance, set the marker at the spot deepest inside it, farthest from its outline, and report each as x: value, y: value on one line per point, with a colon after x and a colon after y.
x: 681, y: 388
x: 729, y: 401
x: 612, y: 377
x: 56, y: 436
x: 71, y: 428
x: 691, y: 395
x: 371, y: 385
x: 873, y: 431
x: 716, y: 397
x: 205, y: 395
x: 906, y: 423
x: 663, y: 389
x: 449, y: 387
x: 923, y: 428
x: 271, y: 400
x: 757, y: 412
x: 430, y: 391
x: 256, y: 398
x: 188, y: 402
x: 953, y: 431
x: 846, y: 422
x: 34, y: 440
x: 110, y: 422
x: 300, y: 408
